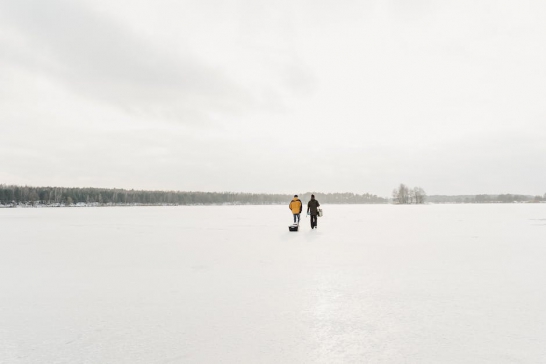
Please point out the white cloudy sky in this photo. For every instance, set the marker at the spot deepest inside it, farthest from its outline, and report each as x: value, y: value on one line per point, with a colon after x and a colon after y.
x: 275, y: 96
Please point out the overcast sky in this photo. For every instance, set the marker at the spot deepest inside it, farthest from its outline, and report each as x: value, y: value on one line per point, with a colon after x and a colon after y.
x: 276, y: 96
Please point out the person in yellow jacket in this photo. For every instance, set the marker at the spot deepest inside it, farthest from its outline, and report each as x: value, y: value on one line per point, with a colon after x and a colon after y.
x: 296, y: 206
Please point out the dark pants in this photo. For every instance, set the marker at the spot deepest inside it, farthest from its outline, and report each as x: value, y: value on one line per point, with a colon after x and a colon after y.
x: 296, y: 216
x: 313, y: 221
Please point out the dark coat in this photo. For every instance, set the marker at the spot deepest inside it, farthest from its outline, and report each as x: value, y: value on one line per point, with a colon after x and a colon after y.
x: 312, y: 206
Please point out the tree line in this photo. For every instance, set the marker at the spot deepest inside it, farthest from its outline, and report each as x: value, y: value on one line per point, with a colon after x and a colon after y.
x: 63, y: 196
x: 483, y: 198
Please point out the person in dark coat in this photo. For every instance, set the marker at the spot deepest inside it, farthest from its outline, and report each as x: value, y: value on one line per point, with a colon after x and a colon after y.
x: 312, y: 209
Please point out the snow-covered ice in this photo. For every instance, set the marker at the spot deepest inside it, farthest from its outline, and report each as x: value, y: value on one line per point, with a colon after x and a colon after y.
x: 231, y: 284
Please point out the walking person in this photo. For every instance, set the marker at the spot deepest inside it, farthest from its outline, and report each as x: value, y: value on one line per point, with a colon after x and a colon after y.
x: 312, y: 209
x: 296, y: 206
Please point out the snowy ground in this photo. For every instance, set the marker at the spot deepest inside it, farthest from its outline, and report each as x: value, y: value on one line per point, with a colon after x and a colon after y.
x: 231, y: 284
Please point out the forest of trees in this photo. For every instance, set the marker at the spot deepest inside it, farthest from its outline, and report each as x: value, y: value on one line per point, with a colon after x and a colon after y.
x: 11, y: 195
x: 502, y: 198
x: 406, y: 195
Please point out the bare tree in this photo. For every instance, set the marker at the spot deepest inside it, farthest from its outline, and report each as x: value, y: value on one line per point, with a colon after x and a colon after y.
x: 411, y: 196
x: 395, y: 197
x: 403, y: 194
x: 419, y: 194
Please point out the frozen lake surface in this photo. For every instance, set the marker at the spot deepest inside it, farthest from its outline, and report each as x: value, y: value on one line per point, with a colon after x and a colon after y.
x: 230, y: 284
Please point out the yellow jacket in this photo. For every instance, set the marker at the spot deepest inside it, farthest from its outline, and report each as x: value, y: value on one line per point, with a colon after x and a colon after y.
x: 295, y: 206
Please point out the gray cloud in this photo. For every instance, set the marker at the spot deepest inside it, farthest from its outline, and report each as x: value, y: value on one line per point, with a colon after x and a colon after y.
x: 99, y: 58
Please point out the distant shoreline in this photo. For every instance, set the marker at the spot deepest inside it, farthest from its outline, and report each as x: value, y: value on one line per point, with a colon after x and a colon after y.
x: 28, y: 196
x: 90, y: 196
x: 34, y: 206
